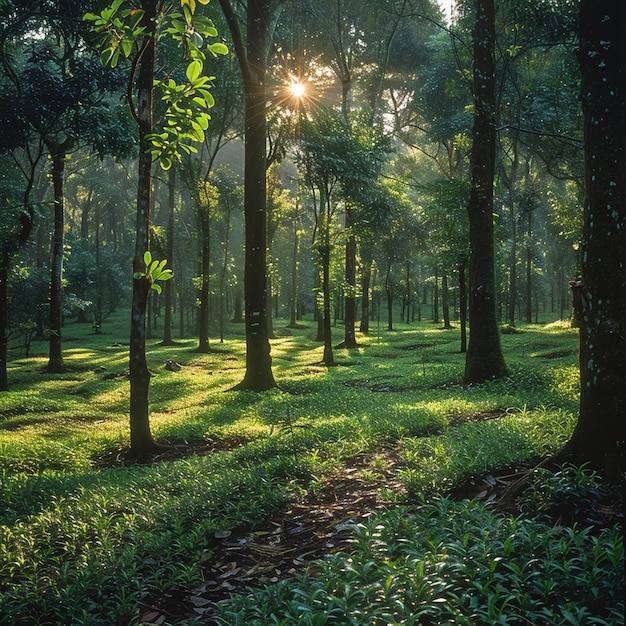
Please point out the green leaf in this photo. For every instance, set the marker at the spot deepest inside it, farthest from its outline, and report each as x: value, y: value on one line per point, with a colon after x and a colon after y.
x: 156, y: 287
x: 218, y: 48
x: 194, y: 69
x: 147, y: 257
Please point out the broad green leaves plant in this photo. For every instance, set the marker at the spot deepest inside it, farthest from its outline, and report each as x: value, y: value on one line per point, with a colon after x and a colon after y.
x: 121, y: 34
x: 155, y: 271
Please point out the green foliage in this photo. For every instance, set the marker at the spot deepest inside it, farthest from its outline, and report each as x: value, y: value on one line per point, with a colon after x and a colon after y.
x: 121, y: 34
x: 83, y: 537
x: 447, y: 562
x: 155, y: 271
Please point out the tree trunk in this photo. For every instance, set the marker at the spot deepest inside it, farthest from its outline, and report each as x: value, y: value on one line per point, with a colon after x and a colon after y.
x: 258, y: 376
x: 389, y: 293
x: 293, y: 296
x: 600, y: 298
x: 169, y: 255
x: 436, y: 299
x: 55, y: 362
x: 366, y: 277
x: 205, y: 268
x: 223, y: 276
x: 513, y: 224
x: 350, y: 304
x: 445, y: 301
x: 4, y: 320
x: 141, y: 442
x: 463, y: 307
x: 328, y: 358
x: 484, y: 360
x: 529, y: 272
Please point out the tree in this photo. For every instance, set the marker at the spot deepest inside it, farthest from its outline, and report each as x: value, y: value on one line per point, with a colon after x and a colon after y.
x: 600, y: 297
x: 60, y: 92
x: 252, y: 62
x: 484, y: 359
x: 133, y: 34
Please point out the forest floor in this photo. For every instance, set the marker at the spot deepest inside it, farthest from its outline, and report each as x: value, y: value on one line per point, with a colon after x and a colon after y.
x: 255, y: 494
x: 254, y: 556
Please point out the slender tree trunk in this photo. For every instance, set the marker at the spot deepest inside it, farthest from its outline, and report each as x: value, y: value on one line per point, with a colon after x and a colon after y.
x: 484, y: 360
x: 366, y: 278
x: 141, y: 442
x: 463, y: 307
x: 513, y: 223
x: 55, y: 362
x: 258, y: 376
x: 350, y: 298
x: 293, y: 296
x: 529, y: 272
x: 4, y: 319
x: 436, y: 299
x: 205, y: 268
x: 389, y: 292
x: 169, y: 255
x: 445, y: 303
x: 408, y: 292
x: 600, y: 298
x: 328, y: 358
x: 223, y: 276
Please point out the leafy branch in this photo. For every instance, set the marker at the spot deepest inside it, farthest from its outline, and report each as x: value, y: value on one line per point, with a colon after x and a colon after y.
x: 155, y: 271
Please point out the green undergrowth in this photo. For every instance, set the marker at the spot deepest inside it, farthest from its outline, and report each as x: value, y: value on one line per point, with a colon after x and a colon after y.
x: 84, y: 538
x: 446, y: 562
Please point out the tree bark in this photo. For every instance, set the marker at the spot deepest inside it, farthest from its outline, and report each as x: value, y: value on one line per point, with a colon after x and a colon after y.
x: 293, y: 294
x: 445, y: 301
x: 258, y: 376
x: 55, y: 360
x: 463, y: 307
x: 350, y: 310
x: 4, y: 320
x: 366, y: 278
x: 205, y: 268
x: 484, y: 360
x: 141, y: 442
x: 600, y: 297
x: 169, y: 255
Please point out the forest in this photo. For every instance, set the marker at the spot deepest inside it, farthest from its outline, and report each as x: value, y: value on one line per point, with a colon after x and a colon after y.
x: 312, y: 312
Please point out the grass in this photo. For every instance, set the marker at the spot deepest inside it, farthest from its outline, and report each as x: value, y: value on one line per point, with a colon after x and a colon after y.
x: 84, y: 543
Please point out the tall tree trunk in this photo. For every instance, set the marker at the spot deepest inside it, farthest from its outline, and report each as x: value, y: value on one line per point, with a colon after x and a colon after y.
x: 408, y: 292
x: 223, y: 275
x: 600, y: 297
x: 293, y: 295
x: 141, y: 442
x: 366, y: 278
x: 513, y: 223
x: 4, y: 319
x: 436, y: 299
x: 350, y: 304
x: 205, y: 268
x: 389, y: 292
x: 328, y: 358
x: 529, y: 271
x: 445, y: 301
x: 169, y: 255
x: 55, y: 361
x: 463, y: 307
x: 484, y: 360
x: 258, y: 376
